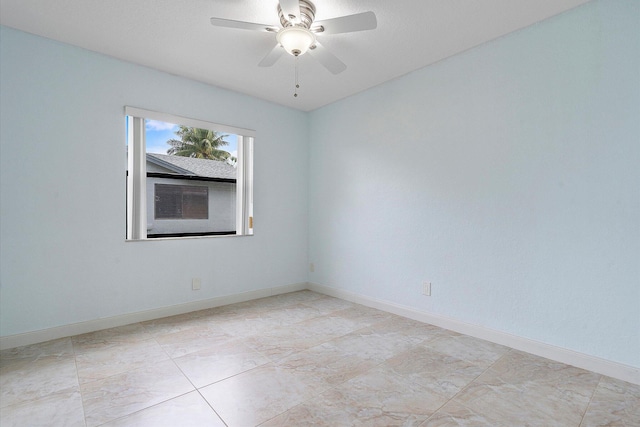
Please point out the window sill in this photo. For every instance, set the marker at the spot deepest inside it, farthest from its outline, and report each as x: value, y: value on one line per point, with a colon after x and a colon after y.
x: 190, y: 237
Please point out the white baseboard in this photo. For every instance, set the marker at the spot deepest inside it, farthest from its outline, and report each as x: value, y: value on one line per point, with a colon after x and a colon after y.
x: 559, y: 354
x: 27, y: 338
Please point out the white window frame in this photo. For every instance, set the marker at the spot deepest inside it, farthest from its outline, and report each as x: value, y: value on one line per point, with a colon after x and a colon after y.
x: 137, y: 167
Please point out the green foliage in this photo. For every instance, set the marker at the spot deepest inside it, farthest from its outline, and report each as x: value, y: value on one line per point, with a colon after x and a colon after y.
x: 198, y: 143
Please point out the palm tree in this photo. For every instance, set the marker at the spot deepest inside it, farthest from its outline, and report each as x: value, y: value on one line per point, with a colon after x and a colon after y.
x: 198, y: 143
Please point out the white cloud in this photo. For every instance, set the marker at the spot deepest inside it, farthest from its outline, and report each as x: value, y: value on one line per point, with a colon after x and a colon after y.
x: 158, y: 125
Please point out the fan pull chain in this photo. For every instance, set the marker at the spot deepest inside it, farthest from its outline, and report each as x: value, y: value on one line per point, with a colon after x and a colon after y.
x: 295, y: 93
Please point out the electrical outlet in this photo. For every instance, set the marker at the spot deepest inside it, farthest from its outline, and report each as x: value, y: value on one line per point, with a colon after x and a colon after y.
x: 426, y: 288
x: 312, y: 267
x: 196, y: 283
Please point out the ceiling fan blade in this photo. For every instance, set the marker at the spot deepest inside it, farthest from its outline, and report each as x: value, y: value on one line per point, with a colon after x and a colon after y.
x: 346, y: 24
x: 291, y: 8
x: 242, y: 25
x: 327, y: 59
x: 272, y: 56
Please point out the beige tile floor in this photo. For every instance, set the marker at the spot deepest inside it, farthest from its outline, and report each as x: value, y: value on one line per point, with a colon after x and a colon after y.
x: 299, y: 359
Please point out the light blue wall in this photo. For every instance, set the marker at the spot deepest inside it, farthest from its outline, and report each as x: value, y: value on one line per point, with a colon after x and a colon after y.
x: 508, y: 176
x: 64, y: 258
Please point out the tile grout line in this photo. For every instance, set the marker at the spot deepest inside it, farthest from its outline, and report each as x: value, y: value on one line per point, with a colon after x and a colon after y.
x: 595, y: 389
x: 196, y: 389
x: 321, y: 393
x: 75, y: 362
x: 271, y: 362
x: 152, y: 338
x: 467, y: 386
x: 275, y: 363
x: 212, y: 408
x: 351, y: 378
x: 142, y: 409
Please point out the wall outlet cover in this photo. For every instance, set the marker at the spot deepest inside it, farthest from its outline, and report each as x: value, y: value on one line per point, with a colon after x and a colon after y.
x: 426, y: 288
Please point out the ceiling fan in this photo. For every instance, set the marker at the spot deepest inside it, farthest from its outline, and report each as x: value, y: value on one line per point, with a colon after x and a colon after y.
x: 298, y: 31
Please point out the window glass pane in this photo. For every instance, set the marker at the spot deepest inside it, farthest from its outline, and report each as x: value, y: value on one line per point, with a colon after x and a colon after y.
x: 195, y: 202
x: 181, y: 201
x: 168, y: 201
x: 178, y: 154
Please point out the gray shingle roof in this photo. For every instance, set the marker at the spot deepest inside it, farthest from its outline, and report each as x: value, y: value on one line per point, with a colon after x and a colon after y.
x: 193, y: 166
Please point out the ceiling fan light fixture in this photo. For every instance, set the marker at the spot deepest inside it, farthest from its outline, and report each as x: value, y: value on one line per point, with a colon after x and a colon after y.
x: 296, y: 40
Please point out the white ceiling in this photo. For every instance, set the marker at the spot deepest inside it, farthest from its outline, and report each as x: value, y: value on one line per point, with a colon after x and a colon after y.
x: 175, y: 36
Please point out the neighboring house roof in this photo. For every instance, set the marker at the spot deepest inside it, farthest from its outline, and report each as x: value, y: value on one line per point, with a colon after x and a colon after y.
x: 193, y: 166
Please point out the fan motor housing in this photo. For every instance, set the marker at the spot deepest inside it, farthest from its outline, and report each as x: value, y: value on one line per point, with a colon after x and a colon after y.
x: 307, y: 15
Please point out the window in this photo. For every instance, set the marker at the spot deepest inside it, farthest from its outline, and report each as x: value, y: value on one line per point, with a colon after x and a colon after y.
x: 187, y: 177
x: 181, y: 201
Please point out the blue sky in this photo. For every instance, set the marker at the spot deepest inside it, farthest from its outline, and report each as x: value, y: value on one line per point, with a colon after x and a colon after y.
x: 158, y: 133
